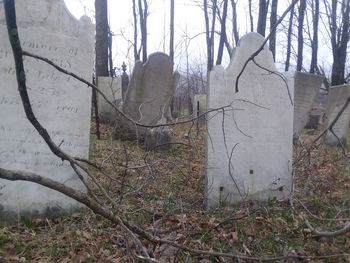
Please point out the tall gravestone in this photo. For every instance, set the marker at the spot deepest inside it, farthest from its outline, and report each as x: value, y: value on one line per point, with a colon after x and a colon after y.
x: 306, y: 87
x: 149, y: 94
x: 249, y: 145
x: 112, y: 89
x: 61, y: 104
x: 337, y: 96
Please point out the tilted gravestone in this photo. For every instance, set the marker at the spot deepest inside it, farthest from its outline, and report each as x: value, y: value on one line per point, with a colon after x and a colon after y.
x: 337, y: 96
x: 249, y: 145
x: 306, y: 87
x: 61, y: 104
x: 112, y: 89
x: 199, y: 105
x: 149, y: 94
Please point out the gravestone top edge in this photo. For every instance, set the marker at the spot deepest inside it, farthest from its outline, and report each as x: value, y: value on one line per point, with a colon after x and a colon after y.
x: 345, y: 85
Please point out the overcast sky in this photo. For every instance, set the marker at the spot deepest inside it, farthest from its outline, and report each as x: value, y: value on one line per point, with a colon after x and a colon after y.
x: 189, y: 21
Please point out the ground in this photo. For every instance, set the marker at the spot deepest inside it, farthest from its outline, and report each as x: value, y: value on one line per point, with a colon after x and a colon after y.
x: 164, y: 193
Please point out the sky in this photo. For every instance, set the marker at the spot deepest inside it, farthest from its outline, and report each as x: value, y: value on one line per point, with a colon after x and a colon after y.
x: 189, y: 30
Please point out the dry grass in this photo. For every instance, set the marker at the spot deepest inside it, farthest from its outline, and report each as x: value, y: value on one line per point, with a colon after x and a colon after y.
x: 164, y: 194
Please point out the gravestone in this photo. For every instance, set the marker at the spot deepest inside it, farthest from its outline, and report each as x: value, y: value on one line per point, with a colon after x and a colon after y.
x: 306, y: 87
x: 318, y: 109
x: 199, y: 105
x: 337, y: 96
x: 61, y: 104
x: 125, y: 80
x: 249, y: 145
x: 149, y: 94
x: 112, y: 89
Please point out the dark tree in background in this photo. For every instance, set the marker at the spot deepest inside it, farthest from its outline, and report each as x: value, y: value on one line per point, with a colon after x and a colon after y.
x: 234, y: 21
x: 273, y: 20
x: 223, y: 36
x: 134, y: 14
x: 251, y: 16
x: 101, y: 51
x: 289, y: 39
x: 102, y: 38
x: 315, y: 7
x: 172, y: 14
x: 263, y: 8
x: 338, y: 20
x: 143, y: 12
x: 301, y: 15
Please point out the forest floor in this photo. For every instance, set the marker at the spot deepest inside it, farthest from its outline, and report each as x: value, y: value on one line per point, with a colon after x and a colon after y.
x: 163, y: 193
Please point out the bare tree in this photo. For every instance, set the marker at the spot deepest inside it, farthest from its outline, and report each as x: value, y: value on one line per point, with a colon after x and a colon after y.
x: 234, y: 21
x: 273, y: 20
x: 289, y: 39
x: 172, y: 14
x: 251, y: 16
x: 136, y: 53
x: 339, y: 33
x: 210, y: 32
x: 301, y: 13
x: 102, y: 38
x: 223, y: 36
x: 143, y: 12
x: 314, y: 43
x: 263, y: 8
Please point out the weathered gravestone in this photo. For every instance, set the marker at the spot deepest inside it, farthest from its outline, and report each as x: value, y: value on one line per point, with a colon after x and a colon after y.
x: 148, y: 97
x: 199, y: 105
x: 60, y: 103
x: 249, y: 145
x: 112, y: 89
x: 318, y: 109
x: 306, y: 87
x: 337, y: 96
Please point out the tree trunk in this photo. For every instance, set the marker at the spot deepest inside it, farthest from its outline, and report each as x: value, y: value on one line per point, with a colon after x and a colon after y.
x: 101, y: 47
x: 134, y: 14
x: 251, y: 16
x: 212, y: 34
x: 143, y: 25
x: 207, y: 33
x: 314, y: 42
x: 339, y: 40
x: 289, y: 39
x: 172, y: 13
x: 222, y: 34
x: 234, y: 22
x: 101, y: 52
x: 302, y: 8
x: 273, y: 20
x: 263, y: 7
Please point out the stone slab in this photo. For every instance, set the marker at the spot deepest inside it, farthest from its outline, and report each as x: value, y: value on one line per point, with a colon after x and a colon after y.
x: 112, y: 89
x: 306, y: 87
x: 337, y: 96
x: 60, y: 103
x: 249, y: 145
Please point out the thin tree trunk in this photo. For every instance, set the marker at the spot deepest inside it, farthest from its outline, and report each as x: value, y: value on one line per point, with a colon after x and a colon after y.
x: 263, y: 7
x: 212, y: 33
x: 273, y: 20
x: 302, y: 8
x: 314, y: 43
x: 207, y: 34
x: 136, y: 54
x: 340, y: 40
x: 143, y: 25
x: 289, y: 39
x: 234, y: 22
x: 222, y: 33
x: 101, y: 52
x: 172, y: 13
x: 251, y: 16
